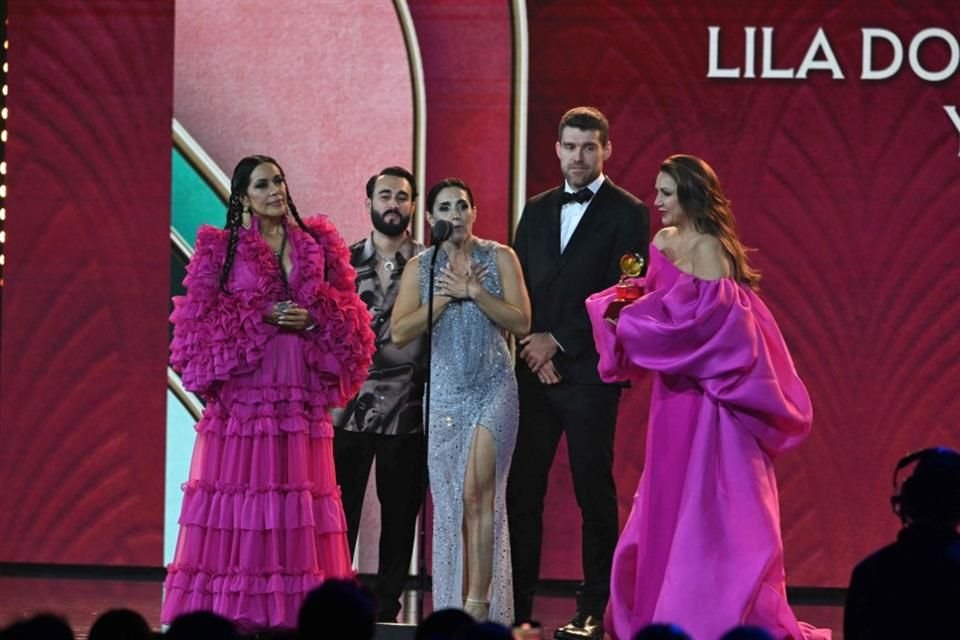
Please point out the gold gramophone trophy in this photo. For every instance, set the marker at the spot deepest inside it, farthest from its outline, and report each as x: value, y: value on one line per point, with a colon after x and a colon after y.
x: 628, y: 290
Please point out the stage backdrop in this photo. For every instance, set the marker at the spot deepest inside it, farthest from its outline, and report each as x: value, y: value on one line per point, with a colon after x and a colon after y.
x: 333, y: 102
x: 830, y: 124
x: 84, y: 304
x: 323, y: 87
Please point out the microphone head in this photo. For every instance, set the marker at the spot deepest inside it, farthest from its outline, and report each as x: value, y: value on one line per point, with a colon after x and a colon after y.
x: 440, y: 231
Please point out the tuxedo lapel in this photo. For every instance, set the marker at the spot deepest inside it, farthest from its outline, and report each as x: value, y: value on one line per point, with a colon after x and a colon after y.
x: 552, y: 230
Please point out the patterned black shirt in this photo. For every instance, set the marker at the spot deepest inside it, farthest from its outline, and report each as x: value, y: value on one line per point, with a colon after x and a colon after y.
x: 390, y: 401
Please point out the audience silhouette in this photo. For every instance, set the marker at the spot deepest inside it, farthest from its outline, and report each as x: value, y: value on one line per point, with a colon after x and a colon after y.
x: 487, y: 630
x: 202, y: 625
x: 43, y: 626
x: 444, y: 624
x: 342, y: 609
x: 911, y: 588
x: 747, y: 632
x: 120, y: 624
x: 661, y: 632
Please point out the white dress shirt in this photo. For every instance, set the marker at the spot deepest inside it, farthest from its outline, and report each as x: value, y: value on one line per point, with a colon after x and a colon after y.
x: 572, y: 212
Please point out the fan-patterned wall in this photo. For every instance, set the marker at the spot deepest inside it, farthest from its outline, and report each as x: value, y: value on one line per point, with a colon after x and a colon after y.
x: 849, y: 191
x: 84, y: 330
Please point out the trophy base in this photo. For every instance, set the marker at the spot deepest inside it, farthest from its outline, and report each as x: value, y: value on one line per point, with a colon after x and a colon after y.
x: 614, y: 309
x: 627, y: 292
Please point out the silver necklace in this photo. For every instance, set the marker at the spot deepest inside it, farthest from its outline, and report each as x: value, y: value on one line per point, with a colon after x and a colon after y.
x: 389, y: 264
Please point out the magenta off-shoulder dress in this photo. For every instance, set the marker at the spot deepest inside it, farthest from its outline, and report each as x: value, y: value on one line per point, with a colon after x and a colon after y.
x: 262, y: 522
x: 702, y: 545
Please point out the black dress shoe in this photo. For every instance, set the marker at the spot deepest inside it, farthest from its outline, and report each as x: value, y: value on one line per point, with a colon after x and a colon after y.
x: 582, y: 627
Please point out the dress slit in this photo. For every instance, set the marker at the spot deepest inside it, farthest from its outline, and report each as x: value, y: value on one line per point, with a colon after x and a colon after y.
x: 473, y: 386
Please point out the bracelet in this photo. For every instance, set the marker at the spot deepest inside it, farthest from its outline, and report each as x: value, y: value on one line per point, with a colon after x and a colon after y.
x: 311, y: 327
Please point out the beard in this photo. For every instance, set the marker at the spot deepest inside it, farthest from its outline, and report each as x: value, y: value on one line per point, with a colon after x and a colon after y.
x: 581, y: 179
x: 391, y: 229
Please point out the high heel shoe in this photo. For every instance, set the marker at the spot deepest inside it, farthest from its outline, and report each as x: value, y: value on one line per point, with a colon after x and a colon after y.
x: 479, y: 610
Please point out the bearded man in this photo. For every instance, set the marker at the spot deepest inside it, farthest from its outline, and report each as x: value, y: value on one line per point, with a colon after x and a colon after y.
x: 384, y: 422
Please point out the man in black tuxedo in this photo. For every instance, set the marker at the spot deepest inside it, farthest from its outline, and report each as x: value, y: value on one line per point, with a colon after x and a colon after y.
x: 569, y: 242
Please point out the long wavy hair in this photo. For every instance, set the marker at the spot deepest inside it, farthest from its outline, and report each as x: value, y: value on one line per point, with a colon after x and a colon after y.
x: 239, y: 184
x: 702, y: 199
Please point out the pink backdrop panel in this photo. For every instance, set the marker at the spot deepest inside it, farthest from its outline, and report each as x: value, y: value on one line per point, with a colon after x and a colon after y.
x: 323, y: 87
x: 847, y: 187
x: 467, y: 66
x: 87, y: 262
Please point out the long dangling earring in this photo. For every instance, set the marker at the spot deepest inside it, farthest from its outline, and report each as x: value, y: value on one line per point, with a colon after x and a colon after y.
x: 245, y: 219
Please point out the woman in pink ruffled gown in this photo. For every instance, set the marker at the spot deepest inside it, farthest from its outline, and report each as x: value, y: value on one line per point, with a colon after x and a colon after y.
x: 271, y: 334
x: 702, y: 546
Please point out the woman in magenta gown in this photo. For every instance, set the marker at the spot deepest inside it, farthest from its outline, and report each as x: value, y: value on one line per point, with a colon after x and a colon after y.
x: 271, y: 334
x: 702, y: 545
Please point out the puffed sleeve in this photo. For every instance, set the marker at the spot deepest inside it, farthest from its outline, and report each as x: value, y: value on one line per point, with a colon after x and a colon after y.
x: 215, y: 334
x: 613, y: 365
x: 342, y: 344
x: 720, y: 334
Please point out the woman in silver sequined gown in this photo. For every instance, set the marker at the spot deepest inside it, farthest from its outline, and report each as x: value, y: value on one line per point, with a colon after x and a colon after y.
x: 479, y: 298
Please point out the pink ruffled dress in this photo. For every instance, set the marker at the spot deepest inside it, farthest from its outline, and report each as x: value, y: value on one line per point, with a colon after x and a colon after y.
x: 262, y: 522
x: 702, y: 545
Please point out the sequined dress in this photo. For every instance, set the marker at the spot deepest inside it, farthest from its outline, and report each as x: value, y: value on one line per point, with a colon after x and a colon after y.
x: 472, y: 383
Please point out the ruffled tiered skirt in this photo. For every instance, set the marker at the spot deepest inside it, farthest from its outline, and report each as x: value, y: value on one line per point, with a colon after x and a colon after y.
x: 262, y: 522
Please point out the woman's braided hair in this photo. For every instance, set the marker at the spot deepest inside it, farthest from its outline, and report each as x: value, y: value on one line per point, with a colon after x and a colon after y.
x: 239, y: 184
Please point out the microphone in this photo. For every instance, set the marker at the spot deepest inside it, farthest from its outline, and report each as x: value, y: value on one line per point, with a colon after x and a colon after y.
x: 440, y: 232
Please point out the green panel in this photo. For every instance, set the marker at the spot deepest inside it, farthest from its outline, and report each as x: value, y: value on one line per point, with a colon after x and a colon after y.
x: 194, y: 201
x: 180, y: 437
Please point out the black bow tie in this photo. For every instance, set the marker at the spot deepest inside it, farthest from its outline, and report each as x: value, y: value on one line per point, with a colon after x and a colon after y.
x: 581, y: 196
